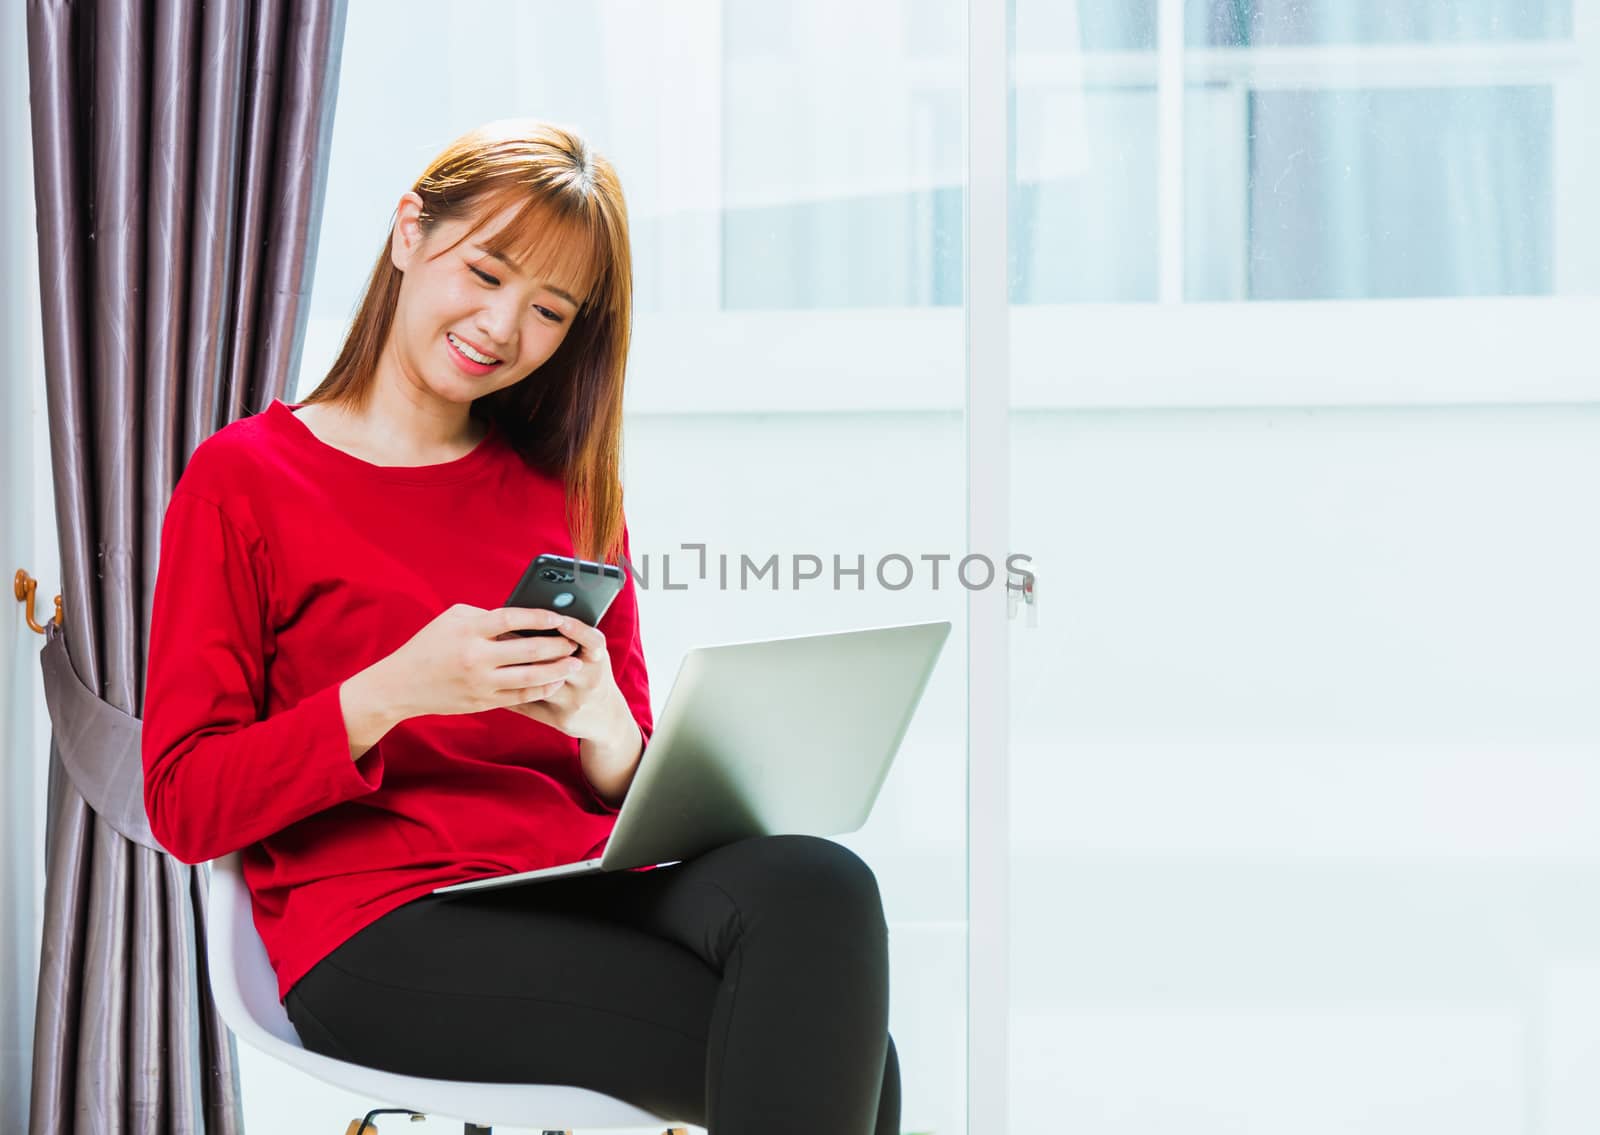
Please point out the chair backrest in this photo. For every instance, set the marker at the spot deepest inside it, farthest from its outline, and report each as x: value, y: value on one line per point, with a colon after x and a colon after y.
x: 242, y: 978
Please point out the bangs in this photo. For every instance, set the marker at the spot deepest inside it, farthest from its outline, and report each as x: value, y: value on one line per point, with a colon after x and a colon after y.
x: 558, y: 246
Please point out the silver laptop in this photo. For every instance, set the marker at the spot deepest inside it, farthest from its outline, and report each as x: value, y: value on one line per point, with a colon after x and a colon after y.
x: 780, y: 736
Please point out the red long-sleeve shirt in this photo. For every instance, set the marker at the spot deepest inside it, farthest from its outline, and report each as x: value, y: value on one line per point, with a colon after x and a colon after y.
x: 287, y: 566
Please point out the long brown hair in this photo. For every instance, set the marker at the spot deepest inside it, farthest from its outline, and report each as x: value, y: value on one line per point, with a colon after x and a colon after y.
x: 568, y: 421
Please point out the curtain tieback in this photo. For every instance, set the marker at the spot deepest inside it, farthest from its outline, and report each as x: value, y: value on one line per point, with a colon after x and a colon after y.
x: 98, y: 743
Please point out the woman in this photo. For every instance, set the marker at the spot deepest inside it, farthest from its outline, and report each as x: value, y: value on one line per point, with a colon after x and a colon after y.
x: 334, y: 688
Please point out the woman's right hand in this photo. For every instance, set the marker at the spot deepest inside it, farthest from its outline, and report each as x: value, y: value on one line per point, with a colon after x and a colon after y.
x: 468, y: 660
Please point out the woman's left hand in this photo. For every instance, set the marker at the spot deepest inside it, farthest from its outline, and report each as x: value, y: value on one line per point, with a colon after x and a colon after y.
x: 588, y: 704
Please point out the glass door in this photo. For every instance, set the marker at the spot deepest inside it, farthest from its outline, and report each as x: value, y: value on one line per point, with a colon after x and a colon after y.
x: 1302, y: 411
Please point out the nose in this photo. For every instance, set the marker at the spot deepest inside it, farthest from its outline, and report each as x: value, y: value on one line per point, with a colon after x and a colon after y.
x: 496, y: 323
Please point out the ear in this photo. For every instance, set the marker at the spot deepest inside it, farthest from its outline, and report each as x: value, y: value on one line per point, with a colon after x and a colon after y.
x: 407, y: 235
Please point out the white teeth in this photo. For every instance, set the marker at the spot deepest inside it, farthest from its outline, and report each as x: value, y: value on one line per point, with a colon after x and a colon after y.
x: 486, y: 360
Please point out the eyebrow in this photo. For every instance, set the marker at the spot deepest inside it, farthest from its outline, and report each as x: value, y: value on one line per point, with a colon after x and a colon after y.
x: 500, y: 256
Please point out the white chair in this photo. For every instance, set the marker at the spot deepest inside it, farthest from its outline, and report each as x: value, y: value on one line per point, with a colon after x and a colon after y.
x: 246, y: 991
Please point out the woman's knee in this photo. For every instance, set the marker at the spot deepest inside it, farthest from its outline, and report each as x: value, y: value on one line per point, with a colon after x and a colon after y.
x: 814, y: 876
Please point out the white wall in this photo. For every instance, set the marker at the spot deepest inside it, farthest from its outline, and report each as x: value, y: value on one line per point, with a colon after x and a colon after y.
x: 27, y: 541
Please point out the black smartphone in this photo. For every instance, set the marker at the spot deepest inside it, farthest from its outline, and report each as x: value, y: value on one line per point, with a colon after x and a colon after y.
x: 582, y: 589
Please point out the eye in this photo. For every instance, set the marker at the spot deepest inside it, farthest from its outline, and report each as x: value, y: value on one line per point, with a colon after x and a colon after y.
x: 484, y: 276
x: 553, y: 317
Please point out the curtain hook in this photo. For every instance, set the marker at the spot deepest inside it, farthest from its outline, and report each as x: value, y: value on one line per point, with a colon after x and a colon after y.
x: 25, y: 587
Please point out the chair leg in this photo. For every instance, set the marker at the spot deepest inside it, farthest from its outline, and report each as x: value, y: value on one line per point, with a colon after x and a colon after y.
x: 366, y: 1126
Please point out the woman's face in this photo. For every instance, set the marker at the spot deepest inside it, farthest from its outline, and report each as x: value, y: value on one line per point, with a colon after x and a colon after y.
x: 459, y: 306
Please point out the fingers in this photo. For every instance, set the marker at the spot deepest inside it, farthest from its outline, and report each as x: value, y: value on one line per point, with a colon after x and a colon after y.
x: 516, y: 695
x: 536, y: 702
x: 503, y: 619
x: 591, y: 642
x: 520, y: 647
x: 523, y: 675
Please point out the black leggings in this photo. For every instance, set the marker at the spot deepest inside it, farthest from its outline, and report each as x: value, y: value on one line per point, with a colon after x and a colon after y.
x: 745, y: 991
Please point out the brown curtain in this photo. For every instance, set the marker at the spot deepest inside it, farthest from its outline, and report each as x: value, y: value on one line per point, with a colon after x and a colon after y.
x: 180, y: 153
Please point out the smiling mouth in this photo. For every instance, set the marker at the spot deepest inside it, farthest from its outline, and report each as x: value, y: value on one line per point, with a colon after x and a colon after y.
x: 470, y: 354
